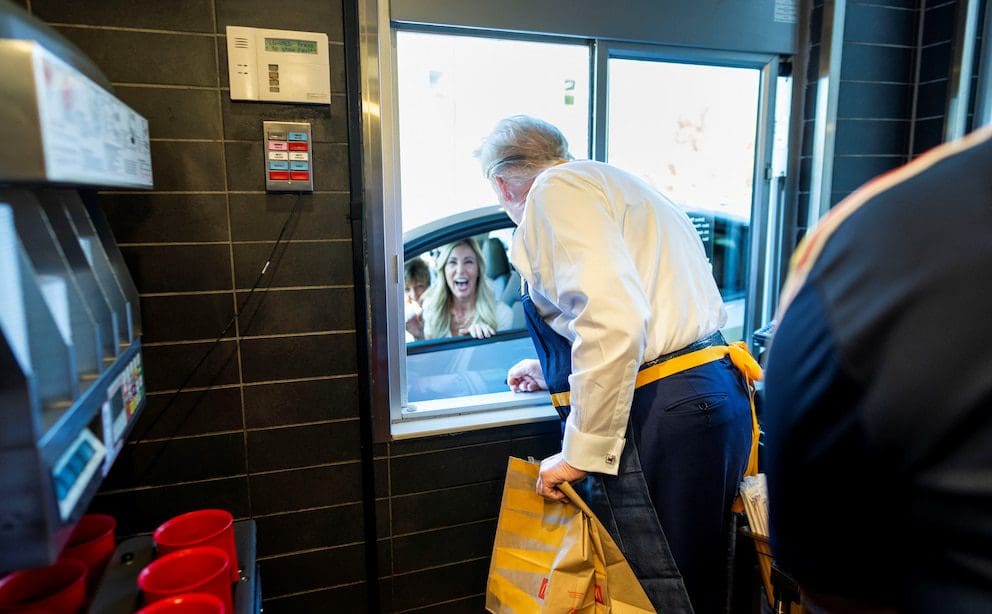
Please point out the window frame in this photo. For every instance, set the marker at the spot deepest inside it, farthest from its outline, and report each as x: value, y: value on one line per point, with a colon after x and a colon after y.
x: 384, y: 249
x: 757, y: 310
x: 384, y: 236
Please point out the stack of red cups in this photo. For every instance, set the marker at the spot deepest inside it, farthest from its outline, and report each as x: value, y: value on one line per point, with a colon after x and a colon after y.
x: 196, y: 565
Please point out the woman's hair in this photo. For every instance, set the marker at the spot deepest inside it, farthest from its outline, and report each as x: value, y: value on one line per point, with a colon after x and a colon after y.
x: 520, y: 147
x: 437, y: 300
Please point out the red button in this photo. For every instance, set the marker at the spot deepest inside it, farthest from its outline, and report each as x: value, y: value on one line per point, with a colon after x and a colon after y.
x: 300, y: 176
x: 295, y: 146
x: 279, y: 176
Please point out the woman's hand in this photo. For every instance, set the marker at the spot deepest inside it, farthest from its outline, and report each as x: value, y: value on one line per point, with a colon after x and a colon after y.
x: 477, y: 330
x: 526, y: 376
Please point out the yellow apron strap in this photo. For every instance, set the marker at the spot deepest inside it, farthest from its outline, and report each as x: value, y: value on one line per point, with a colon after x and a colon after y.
x: 739, y: 355
x: 661, y: 370
x: 742, y: 359
x: 560, y: 399
x: 679, y: 364
x: 748, y: 366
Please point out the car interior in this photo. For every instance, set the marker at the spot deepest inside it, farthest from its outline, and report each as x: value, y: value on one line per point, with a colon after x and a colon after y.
x: 505, y: 279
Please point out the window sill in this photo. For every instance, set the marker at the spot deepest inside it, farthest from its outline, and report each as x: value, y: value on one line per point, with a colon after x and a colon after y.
x: 472, y: 421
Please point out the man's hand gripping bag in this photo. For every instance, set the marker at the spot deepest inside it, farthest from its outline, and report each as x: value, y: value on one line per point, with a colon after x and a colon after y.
x: 556, y: 557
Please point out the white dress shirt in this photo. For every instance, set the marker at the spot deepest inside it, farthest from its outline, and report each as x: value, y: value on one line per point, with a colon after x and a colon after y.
x: 620, y: 271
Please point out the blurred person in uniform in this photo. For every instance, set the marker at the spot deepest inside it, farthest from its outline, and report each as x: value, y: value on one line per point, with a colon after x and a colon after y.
x: 878, y: 394
x: 625, y: 316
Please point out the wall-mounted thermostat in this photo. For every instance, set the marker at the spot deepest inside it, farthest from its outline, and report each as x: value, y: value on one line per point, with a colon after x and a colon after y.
x: 288, y: 149
x: 278, y: 65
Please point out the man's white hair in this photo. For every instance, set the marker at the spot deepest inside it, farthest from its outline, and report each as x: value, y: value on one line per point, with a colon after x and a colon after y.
x: 520, y: 147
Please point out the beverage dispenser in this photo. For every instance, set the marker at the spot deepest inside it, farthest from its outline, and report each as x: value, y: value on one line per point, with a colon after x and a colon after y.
x: 71, y: 380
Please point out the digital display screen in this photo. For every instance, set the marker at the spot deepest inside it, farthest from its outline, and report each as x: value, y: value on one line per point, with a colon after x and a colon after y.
x: 290, y: 45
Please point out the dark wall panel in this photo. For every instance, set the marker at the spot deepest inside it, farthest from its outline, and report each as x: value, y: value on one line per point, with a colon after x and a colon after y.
x: 938, y: 21
x: 443, y: 496
x: 267, y: 427
x: 757, y: 26
x: 876, y: 93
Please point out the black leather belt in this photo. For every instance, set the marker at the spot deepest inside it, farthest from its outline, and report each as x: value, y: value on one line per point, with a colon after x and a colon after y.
x: 714, y: 339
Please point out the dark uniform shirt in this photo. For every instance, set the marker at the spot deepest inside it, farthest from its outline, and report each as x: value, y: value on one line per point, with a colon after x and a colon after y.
x: 878, y: 413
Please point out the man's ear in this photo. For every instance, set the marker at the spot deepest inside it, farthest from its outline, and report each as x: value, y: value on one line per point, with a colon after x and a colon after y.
x: 504, y: 188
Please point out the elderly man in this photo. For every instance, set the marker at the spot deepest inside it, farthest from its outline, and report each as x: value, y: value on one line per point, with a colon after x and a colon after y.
x: 626, y: 318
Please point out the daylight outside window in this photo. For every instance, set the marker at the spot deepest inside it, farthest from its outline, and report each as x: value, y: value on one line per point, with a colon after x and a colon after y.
x: 689, y: 130
x: 451, y: 91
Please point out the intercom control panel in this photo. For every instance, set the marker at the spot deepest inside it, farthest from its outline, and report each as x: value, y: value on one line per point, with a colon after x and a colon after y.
x: 278, y: 65
x: 288, y: 156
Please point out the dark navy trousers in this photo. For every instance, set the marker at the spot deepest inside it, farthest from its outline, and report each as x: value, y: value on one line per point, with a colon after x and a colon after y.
x: 688, y: 441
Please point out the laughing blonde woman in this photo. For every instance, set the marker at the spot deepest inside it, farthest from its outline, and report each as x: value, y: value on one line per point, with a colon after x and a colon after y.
x: 464, y: 304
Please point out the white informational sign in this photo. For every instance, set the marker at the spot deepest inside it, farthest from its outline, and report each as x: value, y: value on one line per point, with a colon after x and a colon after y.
x: 88, y: 135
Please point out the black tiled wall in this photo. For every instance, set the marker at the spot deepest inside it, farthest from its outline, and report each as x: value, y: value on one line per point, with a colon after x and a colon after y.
x: 269, y: 425
x: 809, y: 80
x: 935, y: 47
x: 438, y: 501
x: 893, y: 88
x: 874, y: 109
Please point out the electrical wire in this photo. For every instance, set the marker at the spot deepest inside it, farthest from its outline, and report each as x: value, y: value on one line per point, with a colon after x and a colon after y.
x: 214, y: 345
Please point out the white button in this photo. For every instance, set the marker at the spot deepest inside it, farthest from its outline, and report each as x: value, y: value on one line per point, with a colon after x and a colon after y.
x: 278, y: 155
x: 299, y: 155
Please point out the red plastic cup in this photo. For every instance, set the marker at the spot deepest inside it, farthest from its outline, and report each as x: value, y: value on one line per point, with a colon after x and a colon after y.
x: 191, y: 603
x: 203, y: 569
x: 92, y: 544
x: 56, y: 589
x: 200, y: 528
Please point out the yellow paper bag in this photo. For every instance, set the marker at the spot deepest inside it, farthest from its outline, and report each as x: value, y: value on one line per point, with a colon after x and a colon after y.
x: 554, y: 557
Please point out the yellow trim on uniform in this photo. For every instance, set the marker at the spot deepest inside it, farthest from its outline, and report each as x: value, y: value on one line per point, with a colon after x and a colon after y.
x: 739, y: 355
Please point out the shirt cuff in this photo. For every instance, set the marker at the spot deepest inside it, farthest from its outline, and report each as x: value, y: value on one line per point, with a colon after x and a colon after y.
x: 593, y: 453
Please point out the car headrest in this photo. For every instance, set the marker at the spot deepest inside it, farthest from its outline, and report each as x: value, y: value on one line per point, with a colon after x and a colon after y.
x: 497, y: 264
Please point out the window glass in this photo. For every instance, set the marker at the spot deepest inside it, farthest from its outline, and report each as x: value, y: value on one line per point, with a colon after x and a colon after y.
x: 451, y: 92
x: 689, y: 130
x: 453, y: 89
x: 442, y: 364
